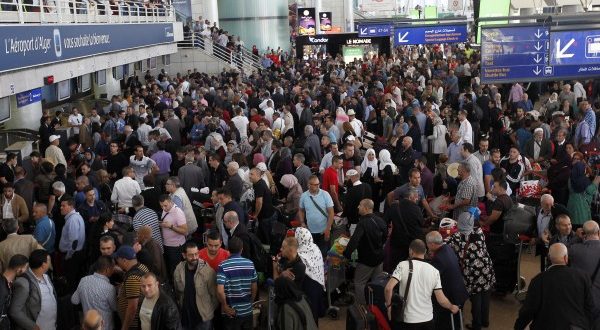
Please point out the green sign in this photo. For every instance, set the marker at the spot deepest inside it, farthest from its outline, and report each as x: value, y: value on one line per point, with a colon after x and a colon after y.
x: 431, y: 12
x: 492, y: 8
x: 351, y: 53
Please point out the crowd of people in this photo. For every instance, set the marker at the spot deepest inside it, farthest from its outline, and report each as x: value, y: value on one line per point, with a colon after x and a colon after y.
x: 157, y: 206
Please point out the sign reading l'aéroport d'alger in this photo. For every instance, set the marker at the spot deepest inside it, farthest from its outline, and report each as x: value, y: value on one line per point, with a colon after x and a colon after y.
x: 26, y: 45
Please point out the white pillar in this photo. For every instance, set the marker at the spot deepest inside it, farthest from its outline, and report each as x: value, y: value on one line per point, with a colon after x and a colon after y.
x: 318, y: 7
x: 211, y: 11
x: 349, y: 15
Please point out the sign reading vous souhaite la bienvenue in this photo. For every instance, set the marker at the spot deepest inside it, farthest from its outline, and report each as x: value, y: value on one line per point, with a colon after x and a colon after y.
x: 26, y: 45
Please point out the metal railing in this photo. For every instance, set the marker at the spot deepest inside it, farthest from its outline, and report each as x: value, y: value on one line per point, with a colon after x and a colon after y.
x: 240, y: 57
x: 84, y: 11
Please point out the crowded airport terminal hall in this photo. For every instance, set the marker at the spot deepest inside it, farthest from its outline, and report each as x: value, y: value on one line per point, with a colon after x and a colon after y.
x: 299, y: 164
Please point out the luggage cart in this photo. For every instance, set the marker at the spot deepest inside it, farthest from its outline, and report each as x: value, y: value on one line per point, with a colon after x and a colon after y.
x: 520, y: 291
x: 336, y: 276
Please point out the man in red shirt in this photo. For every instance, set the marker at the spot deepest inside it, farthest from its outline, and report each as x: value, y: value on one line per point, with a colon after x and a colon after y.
x: 213, y: 253
x: 331, y: 181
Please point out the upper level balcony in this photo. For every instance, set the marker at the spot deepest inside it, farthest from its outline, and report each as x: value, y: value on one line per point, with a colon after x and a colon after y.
x: 85, y: 11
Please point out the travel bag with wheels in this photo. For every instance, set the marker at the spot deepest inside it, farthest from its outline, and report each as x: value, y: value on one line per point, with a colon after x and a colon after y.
x: 359, y: 318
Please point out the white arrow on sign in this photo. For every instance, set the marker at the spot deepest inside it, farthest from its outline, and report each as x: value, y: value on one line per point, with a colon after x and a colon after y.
x: 537, y: 70
x: 539, y: 34
x: 537, y: 58
x: 363, y: 31
x: 560, y: 52
x: 402, y: 38
x: 538, y: 46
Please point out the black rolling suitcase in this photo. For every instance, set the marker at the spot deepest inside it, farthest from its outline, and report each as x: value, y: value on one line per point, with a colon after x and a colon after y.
x: 359, y: 318
x: 375, y: 292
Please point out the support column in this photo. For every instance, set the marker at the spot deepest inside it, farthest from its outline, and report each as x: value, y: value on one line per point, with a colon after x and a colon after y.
x: 318, y: 8
x: 349, y: 15
x: 211, y: 11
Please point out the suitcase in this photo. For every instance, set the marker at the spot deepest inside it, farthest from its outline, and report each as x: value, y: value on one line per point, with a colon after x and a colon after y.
x: 358, y: 318
x: 375, y: 292
x: 461, y: 325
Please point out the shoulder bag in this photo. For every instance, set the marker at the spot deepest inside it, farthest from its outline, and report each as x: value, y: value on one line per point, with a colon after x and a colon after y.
x: 398, y: 302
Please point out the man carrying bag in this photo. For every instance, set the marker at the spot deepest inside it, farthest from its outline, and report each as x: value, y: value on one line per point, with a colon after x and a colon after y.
x: 414, y: 310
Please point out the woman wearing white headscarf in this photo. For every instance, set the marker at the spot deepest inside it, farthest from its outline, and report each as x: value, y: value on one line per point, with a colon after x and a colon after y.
x: 551, y: 106
x: 386, y: 172
x: 314, y: 283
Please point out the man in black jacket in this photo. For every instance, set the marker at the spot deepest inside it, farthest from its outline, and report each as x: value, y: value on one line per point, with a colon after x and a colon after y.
x: 369, y: 237
x: 356, y: 193
x: 545, y: 223
x: 406, y: 218
x: 559, y: 298
x: 156, y: 309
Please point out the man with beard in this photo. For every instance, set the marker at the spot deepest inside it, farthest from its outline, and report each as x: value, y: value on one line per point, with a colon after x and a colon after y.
x: 195, y: 285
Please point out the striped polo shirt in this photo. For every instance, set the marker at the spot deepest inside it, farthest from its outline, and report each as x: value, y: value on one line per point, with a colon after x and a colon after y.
x: 237, y: 274
x: 147, y: 217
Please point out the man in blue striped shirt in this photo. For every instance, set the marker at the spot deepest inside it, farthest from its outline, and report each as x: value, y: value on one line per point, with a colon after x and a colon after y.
x: 236, y: 288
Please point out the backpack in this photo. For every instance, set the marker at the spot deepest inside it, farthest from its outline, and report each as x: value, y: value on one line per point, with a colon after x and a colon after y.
x: 519, y: 219
x: 257, y: 253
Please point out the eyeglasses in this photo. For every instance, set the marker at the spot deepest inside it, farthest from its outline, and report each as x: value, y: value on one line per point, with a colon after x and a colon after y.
x: 314, y: 184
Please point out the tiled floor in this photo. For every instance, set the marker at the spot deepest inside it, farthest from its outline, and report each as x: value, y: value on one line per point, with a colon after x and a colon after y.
x: 503, y: 312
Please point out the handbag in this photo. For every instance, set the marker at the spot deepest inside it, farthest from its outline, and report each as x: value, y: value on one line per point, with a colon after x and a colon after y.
x: 398, y: 302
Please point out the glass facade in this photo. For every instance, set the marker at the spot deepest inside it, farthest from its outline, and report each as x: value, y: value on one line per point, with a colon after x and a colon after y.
x: 263, y: 23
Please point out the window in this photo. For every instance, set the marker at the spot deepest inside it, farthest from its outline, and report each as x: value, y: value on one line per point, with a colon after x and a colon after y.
x: 64, y: 90
x: 4, y: 109
x: 85, y: 83
x: 152, y: 63
x: 166, y: 59
x: 118, y: 72
x: 101, y: 77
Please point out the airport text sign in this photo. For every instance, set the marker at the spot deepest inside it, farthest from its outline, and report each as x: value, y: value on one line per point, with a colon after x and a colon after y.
x: 27, y: 45
x: 422, y: 35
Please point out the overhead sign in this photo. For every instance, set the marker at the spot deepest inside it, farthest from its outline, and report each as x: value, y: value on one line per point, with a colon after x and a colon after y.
x: 325, y: 21
x: 439, y: 34
x: 307, y: 25
x: 374, y: 30
x: 31, y: 45
x: 510, y: 53
x: 29, y: 97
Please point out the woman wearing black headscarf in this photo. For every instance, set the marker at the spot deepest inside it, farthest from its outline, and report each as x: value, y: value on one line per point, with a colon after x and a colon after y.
x: 415, y: 133
x: 558, y: 178
x: 293, y: 312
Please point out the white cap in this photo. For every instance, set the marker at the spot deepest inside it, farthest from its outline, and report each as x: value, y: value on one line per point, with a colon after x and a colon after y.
x: 534, y: 113
x: 352, y: 172
x: 351, y: 138
x: 53, y: 138
x: 351, y: 112
x: 539, y: 129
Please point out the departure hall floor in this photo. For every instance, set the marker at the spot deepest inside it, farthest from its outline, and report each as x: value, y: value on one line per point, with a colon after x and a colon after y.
x: 503, y: 311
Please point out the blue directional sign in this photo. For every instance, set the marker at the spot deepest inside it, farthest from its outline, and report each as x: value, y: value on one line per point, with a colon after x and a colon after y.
x: 575, y: 47
x: 374, y: 30
x: 421, y: 35
x: 514, y: 53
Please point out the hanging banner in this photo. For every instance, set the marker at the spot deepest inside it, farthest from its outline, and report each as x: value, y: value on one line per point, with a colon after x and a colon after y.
x: 306, y: 22
x: 325, y: 21
x: 378, y: 5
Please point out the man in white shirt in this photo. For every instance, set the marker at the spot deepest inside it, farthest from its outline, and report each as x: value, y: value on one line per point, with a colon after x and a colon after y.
x: 142, y: 132
x: 465, y: 130
x: 125, y: 189
x: 579, y: 91
x: 356, y: 124
x: 266, y: 98
x: 425, y: 281
x: 75, y: 120
x: 269, y: 111
x: 241, y: 122
x: 53, y: 153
